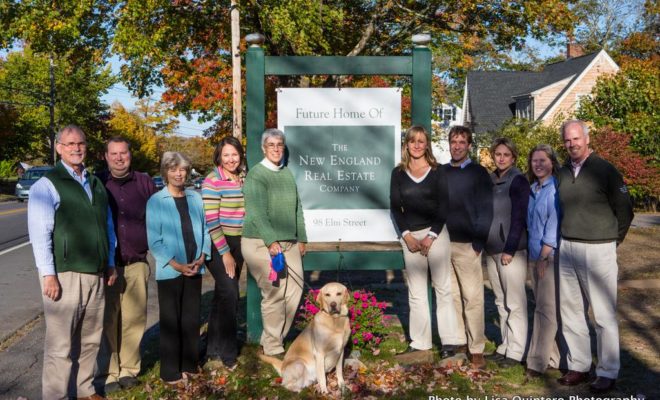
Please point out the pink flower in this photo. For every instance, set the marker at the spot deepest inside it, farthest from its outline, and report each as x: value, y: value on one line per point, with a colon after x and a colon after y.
x: 365, y: 297
x: 367, y: 336
x: 356, y: 295
x: 378, y: 340
x: 365, y: 305
x: 355, y: 341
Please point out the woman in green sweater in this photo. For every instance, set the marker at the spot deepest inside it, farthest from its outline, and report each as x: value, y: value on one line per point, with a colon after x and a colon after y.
x: 274, y: 224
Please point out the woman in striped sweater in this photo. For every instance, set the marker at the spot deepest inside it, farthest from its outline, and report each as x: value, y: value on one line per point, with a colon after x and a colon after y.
x: 224, y: 208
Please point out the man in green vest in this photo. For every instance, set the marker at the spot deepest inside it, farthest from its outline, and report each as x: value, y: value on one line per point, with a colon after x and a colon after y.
x: 73, y: 241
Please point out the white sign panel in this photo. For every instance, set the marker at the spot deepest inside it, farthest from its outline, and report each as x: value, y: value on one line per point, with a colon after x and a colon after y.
x: 342, y: 145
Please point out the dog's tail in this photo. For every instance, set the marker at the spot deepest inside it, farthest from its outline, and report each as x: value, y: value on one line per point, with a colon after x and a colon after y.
x: 275, y: 362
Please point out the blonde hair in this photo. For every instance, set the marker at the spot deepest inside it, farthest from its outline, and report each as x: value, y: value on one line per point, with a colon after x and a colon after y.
x: 408, y: 137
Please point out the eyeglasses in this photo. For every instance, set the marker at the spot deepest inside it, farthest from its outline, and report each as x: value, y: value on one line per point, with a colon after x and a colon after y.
x: 73, y: 144
x: 271, y: 146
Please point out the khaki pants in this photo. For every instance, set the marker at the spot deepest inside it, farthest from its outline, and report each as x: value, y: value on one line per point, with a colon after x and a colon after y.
x: 508, y: 283
x: 124, y: 324
x: 280, y: 299
x: 74, y: 324
x: 417, y: 271
x: 468, y: 292
x: 543, y: 349
x: 588, y: 276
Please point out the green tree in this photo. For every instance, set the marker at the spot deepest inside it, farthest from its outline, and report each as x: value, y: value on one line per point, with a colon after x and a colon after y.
x: 24, y: 91
x: 526, y: 135
x: 628, y: 102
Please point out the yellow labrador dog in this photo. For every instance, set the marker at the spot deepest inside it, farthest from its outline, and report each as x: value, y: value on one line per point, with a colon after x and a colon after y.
x: 320, y: 346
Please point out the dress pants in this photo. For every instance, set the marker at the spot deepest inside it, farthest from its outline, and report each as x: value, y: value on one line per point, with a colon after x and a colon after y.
x: 543, y: 349
x: 221, y: 338
x: 588, y: 276
x: 279, y: 299
x: 417, y: 271
x: 124, y: 324
x: 468, y: 292
x: 179, y: 310
x: 74, y: 324
x: 508, y: 283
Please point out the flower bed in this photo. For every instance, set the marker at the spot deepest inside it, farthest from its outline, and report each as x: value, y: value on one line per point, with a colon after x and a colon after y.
x: 367, y: 317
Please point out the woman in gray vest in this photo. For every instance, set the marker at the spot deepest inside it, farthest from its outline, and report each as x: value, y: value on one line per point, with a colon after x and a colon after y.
x: 506, y: 254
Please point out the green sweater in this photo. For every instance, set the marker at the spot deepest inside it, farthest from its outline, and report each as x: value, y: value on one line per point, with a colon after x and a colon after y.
x: 596, y: 206
x: 273, y: 211
x: 80, y: 237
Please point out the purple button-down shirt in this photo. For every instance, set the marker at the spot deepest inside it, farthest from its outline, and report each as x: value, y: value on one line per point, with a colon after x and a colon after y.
x: 128, y: 200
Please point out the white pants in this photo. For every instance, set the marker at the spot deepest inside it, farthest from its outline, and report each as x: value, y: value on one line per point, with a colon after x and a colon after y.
x: 543, y: 349
x: 417, y: 267
x: 508, y: 283
x: 588, y: 276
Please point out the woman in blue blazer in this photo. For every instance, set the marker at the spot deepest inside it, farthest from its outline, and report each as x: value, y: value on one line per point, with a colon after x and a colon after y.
x: 180, y: 243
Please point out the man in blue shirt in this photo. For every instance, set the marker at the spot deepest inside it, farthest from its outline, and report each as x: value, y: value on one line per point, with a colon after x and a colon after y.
x: 70, y: 227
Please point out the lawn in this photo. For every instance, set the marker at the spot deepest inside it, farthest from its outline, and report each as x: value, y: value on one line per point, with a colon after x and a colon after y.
x: 385, y: 375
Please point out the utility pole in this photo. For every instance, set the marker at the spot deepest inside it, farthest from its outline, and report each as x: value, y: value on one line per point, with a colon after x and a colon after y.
x: 51, y: 109
x: 236, y: 71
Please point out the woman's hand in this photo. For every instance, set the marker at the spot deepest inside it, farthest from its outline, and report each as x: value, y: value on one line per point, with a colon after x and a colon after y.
x: 412, y: 243
x: 230, y: 264
x: 425, y: 245
x: 541, y: 265
x: 274, y: 248
x: 302, y: 248
x: 506, y: 259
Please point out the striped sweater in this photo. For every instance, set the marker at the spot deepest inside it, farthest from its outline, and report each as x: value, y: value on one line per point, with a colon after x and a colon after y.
x: 224, y: 207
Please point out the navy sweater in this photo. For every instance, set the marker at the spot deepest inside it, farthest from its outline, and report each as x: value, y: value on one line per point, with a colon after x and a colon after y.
x: 470, y: 204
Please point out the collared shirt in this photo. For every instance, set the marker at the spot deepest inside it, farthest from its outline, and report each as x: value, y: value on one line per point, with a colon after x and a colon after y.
x: 127, y: 198
x: 578, y: 166
x: 41, y: 220
x: 463, y: 164
x: 542, y: 217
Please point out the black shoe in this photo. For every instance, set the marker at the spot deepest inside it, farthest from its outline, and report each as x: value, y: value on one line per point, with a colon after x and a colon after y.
x: 447, y: 351
x: 496, y: 357
x: 461, y: 349
x: 409, y: 350
x: 112, y: 387
x: 602, y: 384
x: 531, y: 374
x: 128, y: 382
x: 508, y: 363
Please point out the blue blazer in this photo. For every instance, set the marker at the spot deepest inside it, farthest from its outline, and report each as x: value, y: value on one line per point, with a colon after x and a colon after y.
x: 164, y: 231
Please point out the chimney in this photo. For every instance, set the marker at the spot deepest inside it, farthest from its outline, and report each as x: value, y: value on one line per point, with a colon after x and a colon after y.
x: 573, y: 50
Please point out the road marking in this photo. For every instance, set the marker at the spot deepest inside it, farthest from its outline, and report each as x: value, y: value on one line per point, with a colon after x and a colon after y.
x: 3, y: 252
x: 20, y: 210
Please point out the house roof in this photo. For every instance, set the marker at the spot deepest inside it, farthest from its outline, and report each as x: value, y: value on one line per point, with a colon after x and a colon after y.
x: 491, y: 93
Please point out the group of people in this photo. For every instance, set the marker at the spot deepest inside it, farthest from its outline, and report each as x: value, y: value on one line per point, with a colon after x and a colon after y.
x: 559, y: 223
x: 91, y: 235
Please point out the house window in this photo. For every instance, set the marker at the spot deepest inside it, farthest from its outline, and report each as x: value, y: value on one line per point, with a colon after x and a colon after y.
x: 525, y: 109
x: 446, y: 114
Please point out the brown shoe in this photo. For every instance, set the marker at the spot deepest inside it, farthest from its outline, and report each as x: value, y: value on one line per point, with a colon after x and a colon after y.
x: 92, y: 397
x: 531, y: 374
x: 477, y: 360
x: 602, y: 384
x: 572, y: 378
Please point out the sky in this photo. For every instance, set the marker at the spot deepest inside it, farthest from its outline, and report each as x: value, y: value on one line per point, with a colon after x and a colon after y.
x: 119, y: 92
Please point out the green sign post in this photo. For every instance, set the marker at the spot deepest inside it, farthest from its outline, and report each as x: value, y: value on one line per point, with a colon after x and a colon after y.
x: 332, y: 256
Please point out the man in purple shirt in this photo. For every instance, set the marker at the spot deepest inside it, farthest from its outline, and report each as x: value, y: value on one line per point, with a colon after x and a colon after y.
x: 126, y: 302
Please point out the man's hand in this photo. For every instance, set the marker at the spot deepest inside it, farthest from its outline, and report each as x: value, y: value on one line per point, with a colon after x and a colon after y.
x: 302, y: 248
x: 111, y: 275
x: 52, y: 288
x: 541, y: 265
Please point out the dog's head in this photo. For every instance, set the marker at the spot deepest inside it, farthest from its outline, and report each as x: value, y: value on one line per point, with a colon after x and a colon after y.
x: 333, y: 299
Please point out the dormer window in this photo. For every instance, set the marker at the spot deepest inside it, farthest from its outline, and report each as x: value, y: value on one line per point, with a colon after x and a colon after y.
x: 525, y: 108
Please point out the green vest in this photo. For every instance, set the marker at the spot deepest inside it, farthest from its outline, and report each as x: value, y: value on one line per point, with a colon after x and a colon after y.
x: 80, y: 236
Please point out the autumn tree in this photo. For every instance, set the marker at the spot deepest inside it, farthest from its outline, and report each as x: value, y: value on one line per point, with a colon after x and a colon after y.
x: 181, y: 44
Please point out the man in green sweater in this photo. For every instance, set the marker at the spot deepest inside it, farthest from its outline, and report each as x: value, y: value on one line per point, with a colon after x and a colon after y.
x: 597, y: 213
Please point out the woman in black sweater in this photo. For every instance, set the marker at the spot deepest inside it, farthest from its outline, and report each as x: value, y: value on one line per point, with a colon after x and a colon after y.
x: 418, y: 202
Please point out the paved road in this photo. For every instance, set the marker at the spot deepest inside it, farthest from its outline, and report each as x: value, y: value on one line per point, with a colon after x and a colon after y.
x: 13, y: 217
